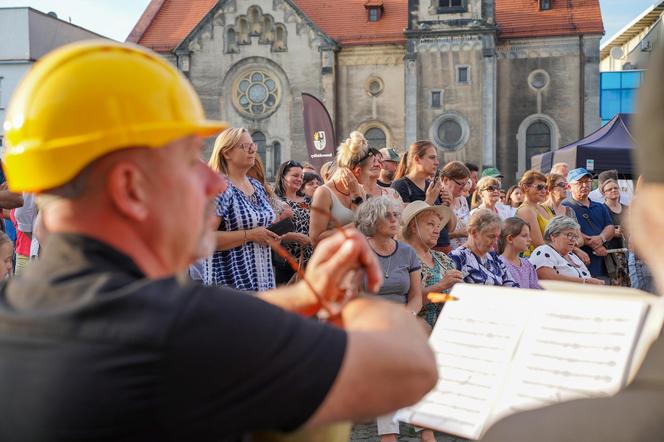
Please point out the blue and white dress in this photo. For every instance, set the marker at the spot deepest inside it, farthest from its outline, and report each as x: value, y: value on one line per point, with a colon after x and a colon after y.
x: 489, y: 270
x: 247, y: 267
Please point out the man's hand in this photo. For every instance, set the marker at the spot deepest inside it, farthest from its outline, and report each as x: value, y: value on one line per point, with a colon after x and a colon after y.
x: 594, y: 242
x: 600, y: 251
x: 336, y: 261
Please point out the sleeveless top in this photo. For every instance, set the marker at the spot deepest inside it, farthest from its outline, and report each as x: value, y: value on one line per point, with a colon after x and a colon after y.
x: 542, y: 223
x: 342, y: 214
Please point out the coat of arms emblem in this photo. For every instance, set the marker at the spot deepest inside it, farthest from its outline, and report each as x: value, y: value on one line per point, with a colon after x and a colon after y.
x: 319, y: 140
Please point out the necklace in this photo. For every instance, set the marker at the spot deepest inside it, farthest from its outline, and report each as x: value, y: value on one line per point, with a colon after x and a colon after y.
x: 386, y: 275
x: 334, y: 183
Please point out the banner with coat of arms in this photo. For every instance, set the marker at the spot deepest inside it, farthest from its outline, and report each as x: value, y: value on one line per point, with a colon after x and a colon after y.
x: 318, y: 131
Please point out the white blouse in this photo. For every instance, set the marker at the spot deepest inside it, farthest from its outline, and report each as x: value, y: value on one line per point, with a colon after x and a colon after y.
x: 547, y: 256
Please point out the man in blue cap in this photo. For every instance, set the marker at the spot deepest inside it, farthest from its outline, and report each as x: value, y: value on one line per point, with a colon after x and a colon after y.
x: 594, y: 219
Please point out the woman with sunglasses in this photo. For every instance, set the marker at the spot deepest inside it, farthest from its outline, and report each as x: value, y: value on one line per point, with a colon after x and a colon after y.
x: 243, y: 258
x: 297, y: 242
x: 368, y: 177
x: 379, y: 219
x: 555, y: 260
x: 336, y: 201
x: 487, y: 196
x: 533, y: 211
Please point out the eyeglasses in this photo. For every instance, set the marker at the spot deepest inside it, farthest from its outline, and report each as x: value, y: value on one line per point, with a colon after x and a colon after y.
x: 561, y: 185
x: 583, y: 183
x: 539, y: 187
x: 392, y: 215
x: 570, y: 236
x: 462, y: 184
x: 493, y: 188
x: 247, y: 146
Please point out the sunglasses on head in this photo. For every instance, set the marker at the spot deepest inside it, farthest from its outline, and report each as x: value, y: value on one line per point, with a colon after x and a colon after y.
x: 370, y: 153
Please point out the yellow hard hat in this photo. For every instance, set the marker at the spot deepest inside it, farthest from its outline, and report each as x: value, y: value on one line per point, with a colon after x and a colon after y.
x: 88, y: 99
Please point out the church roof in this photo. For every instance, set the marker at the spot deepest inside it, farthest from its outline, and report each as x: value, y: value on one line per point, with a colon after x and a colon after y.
x: 166, y: 23
x: 523, y: 18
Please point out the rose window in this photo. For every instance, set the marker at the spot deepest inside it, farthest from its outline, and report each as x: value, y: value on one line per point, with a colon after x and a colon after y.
x: 257, y: 93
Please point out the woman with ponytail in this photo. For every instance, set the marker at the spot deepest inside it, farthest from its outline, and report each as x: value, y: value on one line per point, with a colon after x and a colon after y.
x: 412, y: 182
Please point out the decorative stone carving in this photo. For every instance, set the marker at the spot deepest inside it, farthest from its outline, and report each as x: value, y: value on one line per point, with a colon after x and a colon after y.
x: 256, y: 24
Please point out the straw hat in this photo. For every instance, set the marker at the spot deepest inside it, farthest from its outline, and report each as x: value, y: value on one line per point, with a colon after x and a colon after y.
x: 416, y: 207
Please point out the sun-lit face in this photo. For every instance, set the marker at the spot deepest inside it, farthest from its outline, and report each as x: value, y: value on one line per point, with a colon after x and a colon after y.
x: 516, y: 197
x: 612, y: 191
x: 560, y: 189
x: 293, y: 178
x: 521, y: 242
x: 389, y: 225
x: 429, y: 161
x: 536, y: 192
x: 486, y: 239
x: 243, y: 154
x: 490, y: 194
x: 565, y: 241
x: 581, y: 189
x: 426, y: 226
x: 311, y: 187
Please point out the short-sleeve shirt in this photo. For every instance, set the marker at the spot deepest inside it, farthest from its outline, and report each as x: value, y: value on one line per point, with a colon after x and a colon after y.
x: 489, y: 270
x: 592, y: 219
x: 92, y: 349
x: 246, y: 267
x: 396, y: 269
x: 547, y: 256
x: 409, y: 192
x: 524, y: 274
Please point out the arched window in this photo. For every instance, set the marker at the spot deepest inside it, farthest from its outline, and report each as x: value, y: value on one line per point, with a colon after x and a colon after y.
x: 376, y: 138
x: 259, y: 139
x: 538, y: 140
x: 276, y: 150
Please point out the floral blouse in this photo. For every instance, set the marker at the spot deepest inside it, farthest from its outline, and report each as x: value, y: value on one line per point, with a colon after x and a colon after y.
x: 430, y: 277
x: 489, y: 270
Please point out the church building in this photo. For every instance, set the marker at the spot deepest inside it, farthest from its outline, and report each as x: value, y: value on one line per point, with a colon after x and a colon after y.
x: 488, y: 81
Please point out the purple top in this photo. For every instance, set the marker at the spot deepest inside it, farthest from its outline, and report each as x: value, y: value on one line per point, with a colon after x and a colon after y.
x: 524, y: 274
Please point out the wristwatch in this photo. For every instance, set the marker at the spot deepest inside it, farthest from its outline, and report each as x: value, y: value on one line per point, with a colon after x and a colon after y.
x: 357, y: 200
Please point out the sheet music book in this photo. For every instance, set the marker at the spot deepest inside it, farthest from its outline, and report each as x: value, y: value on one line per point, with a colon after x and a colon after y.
x: 503, y: 350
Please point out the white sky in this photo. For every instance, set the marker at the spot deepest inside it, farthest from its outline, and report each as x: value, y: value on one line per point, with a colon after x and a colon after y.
x: 116, y: 18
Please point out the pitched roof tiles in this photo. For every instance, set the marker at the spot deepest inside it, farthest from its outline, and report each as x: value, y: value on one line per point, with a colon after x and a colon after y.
x: 166, y: 23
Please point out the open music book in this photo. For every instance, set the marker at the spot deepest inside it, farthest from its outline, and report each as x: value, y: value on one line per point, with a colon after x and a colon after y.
x: 503, y: 350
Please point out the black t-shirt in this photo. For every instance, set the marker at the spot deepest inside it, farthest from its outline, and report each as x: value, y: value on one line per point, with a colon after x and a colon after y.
x: 91, y: 349
x: 410, y: 192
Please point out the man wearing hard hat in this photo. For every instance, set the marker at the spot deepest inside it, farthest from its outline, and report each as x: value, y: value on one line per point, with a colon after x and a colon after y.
x: 100, y: 341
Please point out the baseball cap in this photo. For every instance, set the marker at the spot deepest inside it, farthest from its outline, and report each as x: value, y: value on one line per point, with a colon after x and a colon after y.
x: 389, y: 154
x: 492, y: 172
x: 576, y: 174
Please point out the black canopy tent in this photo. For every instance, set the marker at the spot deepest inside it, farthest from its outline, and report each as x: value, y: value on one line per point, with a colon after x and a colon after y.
x: 608, y: 148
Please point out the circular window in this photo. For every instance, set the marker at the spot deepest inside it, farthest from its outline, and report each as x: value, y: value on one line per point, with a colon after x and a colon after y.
x: 374, y: 86
x: 450, y: 131
x: 256, y: 93
x: 538, y: 79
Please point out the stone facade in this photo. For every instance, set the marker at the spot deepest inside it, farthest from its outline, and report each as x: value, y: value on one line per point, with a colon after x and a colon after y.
x: 451, y: 79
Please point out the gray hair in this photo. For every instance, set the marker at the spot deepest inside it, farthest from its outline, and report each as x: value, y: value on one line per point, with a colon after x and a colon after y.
x: 558, y: 224
x: 483, y: 218
x: 372, y: 211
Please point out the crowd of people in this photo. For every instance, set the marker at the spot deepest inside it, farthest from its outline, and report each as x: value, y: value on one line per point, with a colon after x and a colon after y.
x: 430, y: 225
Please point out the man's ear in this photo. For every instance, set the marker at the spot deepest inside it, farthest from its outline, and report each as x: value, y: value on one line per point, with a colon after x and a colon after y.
x: 127, y: 188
